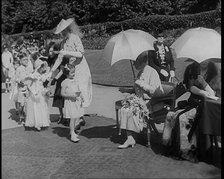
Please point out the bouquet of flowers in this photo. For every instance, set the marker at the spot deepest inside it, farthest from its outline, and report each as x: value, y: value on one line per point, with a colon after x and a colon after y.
x: 138, y: 105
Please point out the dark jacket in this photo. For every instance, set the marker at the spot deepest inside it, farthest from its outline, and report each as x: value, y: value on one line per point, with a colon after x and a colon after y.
x: 154, y: 59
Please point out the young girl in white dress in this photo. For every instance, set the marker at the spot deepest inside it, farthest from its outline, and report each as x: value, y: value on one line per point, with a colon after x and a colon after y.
x: 73, y: 107
x: 19, y: 94
x: 37, y: 103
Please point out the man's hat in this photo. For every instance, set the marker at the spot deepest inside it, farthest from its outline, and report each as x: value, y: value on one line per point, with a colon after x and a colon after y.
x: 63, y: 25
x: 160, y: 35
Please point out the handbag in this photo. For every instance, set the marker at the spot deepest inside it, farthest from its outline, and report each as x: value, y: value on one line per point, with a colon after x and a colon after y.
x: 180, y: 89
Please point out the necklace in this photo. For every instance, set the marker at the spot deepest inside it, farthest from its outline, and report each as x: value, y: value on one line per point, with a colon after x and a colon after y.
x: 161, y: 51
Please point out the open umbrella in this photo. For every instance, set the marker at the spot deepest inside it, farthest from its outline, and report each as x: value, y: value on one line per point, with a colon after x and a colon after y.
x: 128, y: 44
x: 198, y: 44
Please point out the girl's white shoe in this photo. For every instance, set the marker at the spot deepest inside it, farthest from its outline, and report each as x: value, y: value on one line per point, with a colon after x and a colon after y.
x: 74, y: 138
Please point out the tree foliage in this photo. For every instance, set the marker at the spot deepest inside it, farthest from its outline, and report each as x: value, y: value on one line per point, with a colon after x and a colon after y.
x: 36, y: 15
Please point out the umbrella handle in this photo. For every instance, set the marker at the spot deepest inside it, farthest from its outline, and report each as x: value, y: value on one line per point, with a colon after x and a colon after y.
x: 132, y: 69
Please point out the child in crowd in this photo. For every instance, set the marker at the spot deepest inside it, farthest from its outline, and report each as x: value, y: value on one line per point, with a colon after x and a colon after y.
x: 22, y: 72
x: 14, y: 88
x: 73, y: 106
x: 37, y: 103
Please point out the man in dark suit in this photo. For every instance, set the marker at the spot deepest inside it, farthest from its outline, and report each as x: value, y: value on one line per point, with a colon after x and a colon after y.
x: 161, y: 59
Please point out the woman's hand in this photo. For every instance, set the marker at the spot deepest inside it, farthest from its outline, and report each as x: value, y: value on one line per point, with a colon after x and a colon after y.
x: 77, y: 93
x: 205, y: 93
x: 138, y: 82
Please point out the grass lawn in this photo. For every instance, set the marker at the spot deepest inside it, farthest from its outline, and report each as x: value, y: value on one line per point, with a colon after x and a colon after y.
x: 120, y: 74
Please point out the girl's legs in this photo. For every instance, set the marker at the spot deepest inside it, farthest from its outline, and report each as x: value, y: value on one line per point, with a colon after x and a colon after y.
x: 61, y: 115
x: 74, y: 136
x: 7, y: 85
x: 20, y: 111
x: 17, y: 107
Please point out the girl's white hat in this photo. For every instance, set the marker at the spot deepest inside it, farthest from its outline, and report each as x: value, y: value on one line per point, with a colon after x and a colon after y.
x: 38, y: 64
x: 63, y: 25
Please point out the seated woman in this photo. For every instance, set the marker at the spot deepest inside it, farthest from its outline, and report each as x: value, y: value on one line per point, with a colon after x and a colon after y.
x: 179, y: 127
x: 213, y: 77
x: 134, y: 107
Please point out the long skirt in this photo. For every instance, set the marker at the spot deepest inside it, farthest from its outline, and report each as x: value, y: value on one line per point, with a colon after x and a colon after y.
x: 130, y: 121
x: 175, y: 133
x: 83, y: 75
x: 37, y: 114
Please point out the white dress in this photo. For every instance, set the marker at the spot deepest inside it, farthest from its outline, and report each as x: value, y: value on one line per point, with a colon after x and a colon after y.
x: 37, y: 103
x: 73, y: 108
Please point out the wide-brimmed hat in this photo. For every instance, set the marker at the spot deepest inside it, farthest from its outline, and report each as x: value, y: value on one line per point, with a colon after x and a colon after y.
x: 63, y: 25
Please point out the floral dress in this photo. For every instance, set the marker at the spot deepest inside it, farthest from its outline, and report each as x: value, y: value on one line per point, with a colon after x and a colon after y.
x: 177, y: 126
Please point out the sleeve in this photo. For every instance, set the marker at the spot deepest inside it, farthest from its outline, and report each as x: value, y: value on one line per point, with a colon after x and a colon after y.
x: 147, y: 87
x: 46, y: 76
x: 78, y: 44
x: 57, y: 62
x: 71, y: 53
x: 3, y: 61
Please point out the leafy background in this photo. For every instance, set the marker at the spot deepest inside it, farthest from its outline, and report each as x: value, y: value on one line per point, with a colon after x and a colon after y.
x: 36, y: 15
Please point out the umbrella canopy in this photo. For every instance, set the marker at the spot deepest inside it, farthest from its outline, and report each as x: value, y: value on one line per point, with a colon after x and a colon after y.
x: 127, y: 44
x: 198, y: 44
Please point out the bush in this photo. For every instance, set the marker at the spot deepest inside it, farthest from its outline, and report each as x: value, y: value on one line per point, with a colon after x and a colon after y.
x: 97, y: 35
x: 158, y: 23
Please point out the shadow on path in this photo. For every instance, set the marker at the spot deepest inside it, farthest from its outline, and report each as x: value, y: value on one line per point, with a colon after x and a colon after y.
x: 111, y: 133
x: 13, y: 115
x: 61, y: 132
x: 107, y: 132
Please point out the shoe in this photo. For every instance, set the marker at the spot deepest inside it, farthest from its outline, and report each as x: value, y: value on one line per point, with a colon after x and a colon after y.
x: 61, y: 120
x: 128, y: 143
x: 74, y: 138
x: 82, y: 122
x: 21, y: 119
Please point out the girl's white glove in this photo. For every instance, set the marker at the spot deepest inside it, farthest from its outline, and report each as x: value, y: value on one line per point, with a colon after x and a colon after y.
x: 164, y: 72
x: 172, y: 73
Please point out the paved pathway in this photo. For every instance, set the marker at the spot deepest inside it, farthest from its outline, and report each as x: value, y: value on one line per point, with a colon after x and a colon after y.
x: 50, y: 153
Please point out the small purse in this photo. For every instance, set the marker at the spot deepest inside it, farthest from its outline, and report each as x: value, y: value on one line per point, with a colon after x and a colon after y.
x: 180, y: 89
